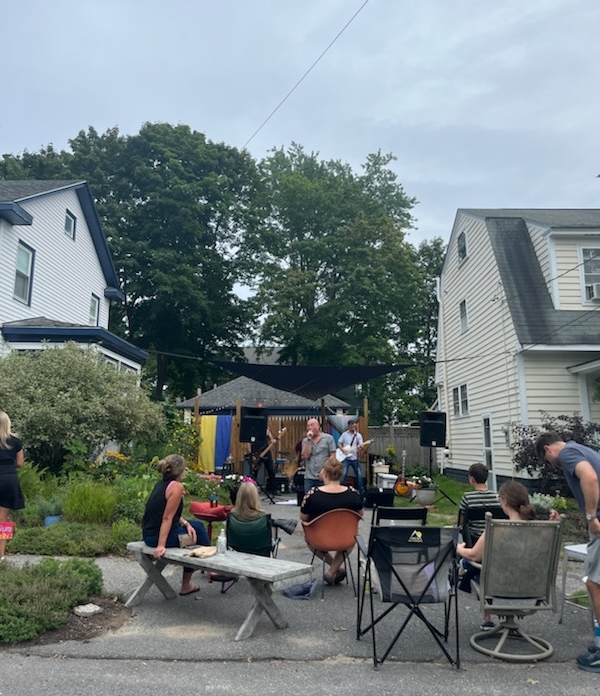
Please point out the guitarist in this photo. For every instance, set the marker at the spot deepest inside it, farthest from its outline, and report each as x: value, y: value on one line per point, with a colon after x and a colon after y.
x: 350, y: 442
x: 254, y: 449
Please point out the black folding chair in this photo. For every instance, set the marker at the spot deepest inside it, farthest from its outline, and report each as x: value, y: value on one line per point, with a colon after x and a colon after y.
x: 412, y: 567
x: 477, y: 514
x: 392, y: 516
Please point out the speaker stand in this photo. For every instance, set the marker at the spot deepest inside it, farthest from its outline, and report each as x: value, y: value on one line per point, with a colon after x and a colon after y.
x: 440, y: 489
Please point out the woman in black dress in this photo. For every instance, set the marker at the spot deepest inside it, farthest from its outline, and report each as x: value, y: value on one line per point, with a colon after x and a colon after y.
x: 11, y: 458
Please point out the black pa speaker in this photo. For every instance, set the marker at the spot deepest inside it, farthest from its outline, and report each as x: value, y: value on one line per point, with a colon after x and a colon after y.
x: 253, y: 424
x: 433, y: 428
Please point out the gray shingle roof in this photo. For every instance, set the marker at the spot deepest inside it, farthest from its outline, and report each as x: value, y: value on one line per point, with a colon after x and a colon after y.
x: 19, y: 190
x: 252, y: 392
x: 528, y: 297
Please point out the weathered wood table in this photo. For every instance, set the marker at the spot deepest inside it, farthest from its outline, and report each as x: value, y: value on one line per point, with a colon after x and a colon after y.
x: 263, y: 574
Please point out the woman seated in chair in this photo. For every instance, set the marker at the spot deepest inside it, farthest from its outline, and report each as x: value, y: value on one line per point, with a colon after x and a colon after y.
x: 330, y: 496
x: 514, y: 500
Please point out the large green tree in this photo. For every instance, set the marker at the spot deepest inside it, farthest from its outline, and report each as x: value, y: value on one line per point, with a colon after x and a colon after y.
x: 173, y: 205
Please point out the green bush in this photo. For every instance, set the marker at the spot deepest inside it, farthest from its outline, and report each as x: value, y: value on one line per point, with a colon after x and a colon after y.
x: 39, y: 597
x: 75, y: 539
x: 86, y: 501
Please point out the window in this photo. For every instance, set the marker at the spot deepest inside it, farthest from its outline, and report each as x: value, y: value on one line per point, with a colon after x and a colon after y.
x: 461, y: 244
x: 70, y: 223
x: 460, y: 400
x: 463, y: 316
x: 591, y: 271
x: 94, y: 311
x: 24, y: 273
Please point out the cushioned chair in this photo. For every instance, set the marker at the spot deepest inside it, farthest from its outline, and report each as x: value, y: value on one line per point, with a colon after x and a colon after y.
x: 518, y: 578
x: 411, y: 567
x: 333, y: 531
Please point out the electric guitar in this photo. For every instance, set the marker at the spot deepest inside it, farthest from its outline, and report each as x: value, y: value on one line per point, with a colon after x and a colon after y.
x: 401, y: 487
x: 340, y: 455
x: 257, y: 458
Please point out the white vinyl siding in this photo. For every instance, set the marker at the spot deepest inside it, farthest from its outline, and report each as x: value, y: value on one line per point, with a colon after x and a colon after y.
x: 66, y: 274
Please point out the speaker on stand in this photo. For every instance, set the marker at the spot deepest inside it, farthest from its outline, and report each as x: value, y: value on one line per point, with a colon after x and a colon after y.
x: 433, y: 434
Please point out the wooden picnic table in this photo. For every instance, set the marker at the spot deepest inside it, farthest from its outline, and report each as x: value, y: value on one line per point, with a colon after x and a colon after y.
x: 264, y: 574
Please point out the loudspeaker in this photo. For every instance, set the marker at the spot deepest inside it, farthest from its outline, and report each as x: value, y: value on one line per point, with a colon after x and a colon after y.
x: 433, y: 428
x: 253, y: 424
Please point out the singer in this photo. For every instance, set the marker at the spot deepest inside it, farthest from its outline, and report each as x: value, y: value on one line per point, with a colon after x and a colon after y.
x: 317, y: 446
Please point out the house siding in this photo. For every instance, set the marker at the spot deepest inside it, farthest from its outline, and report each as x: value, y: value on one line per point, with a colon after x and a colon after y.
x: 483, y: 356
x: 66, y: 271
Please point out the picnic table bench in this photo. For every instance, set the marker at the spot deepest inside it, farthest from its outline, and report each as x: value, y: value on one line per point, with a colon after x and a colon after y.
x: 264, y: 574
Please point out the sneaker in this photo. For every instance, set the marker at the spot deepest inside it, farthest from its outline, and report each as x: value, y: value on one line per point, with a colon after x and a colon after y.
x: 590, y: 662
x: 487, y: 626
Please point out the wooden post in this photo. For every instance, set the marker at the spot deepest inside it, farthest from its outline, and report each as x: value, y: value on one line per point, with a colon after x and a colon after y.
x: 235, y: 434
x: 197, y: 424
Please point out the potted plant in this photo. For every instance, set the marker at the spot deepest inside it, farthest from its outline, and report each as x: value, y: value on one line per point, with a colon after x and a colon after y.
x: 50, y: 510
x: 424, y: 489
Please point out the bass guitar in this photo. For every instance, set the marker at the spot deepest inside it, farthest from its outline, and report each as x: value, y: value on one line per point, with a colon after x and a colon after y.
x: 257, y: 458
x: 341, y: 454
x: 401, y: 487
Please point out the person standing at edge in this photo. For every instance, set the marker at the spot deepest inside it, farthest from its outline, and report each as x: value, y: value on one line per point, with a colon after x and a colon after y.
x: 581, y: 467
x: 317, y: 447
x: 11, y: 459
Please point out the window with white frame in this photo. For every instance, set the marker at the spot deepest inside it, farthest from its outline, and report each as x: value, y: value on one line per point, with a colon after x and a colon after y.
x: 591, y: 272
x: 464, y: 325
x: 94, y: 310
x: 460, y: 400
x: 24, y: 273
x: 70, y: 224
x: 461, y: 244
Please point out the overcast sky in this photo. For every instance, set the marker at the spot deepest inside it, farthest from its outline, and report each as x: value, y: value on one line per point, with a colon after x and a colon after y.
x: 485, y: 103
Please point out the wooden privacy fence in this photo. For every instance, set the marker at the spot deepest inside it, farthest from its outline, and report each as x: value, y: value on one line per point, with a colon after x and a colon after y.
x: 401, y: 438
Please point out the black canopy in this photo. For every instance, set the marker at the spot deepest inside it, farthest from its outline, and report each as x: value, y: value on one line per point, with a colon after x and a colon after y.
x: 310, y: 382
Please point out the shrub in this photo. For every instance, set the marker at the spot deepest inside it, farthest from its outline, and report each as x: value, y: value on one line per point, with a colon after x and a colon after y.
x: 37, y: 598
x: 87, y: 501
x: 551, y: 479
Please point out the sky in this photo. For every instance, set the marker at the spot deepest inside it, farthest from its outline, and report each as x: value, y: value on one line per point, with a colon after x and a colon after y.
x: 483, y: 103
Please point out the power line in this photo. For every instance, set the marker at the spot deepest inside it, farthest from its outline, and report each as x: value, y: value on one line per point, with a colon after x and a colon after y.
x: 289, y: 94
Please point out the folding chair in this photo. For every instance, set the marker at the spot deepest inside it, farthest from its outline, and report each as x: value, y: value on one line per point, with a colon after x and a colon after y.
x: 392, y: 516
x: 257, y: 536
x: 518, y: 578
x: 415, y: 566
x: 477, y: 514
x: 335, y: 530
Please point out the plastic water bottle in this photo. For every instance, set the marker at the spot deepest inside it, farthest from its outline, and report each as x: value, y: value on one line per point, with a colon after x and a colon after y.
x: 222, y: 542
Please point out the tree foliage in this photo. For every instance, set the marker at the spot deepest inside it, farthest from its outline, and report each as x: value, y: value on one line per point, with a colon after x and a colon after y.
x: 60, y: 396
x: 569, y: 428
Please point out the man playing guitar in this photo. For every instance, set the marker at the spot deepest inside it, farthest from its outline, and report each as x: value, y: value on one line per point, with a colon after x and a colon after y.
x: 260, y: 454
x: 350, y: 442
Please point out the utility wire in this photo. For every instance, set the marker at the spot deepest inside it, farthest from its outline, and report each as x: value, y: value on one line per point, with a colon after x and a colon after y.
x: 289, y: 94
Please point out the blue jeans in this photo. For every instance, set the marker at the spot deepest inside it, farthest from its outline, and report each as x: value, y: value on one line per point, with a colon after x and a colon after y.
x: 173, y: 538
x: 311, y: 483
x: 357, y: 473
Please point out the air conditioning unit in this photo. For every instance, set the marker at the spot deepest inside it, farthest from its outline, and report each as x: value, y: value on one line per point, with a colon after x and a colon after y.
x: 595, y: 292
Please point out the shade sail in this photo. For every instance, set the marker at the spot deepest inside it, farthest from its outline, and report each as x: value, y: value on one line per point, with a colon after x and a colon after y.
x: 310, y: 382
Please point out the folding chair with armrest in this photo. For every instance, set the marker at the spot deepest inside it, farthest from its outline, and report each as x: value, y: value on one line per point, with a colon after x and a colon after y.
x: 415, y: 566
x: 518, y: 578
x: 393, y: 516
x: 335, y: 530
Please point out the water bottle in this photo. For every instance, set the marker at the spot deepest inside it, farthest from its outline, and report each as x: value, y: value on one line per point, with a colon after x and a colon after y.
x: 213, y: 500
x: 222, y: 542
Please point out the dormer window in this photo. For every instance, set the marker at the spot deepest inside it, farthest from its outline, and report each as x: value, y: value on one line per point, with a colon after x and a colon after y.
x: 461, y: 244
x: 70, y: 223
x: 591, y: 274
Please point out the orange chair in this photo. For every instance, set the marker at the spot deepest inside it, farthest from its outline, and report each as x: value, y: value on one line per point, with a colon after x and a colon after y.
x: 333, y: 531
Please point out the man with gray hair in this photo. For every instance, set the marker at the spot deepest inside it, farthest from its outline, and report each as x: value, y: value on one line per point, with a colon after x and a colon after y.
x: 317, y: 447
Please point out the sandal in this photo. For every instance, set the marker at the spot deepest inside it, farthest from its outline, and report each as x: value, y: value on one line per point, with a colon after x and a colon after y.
x: 340, y: 576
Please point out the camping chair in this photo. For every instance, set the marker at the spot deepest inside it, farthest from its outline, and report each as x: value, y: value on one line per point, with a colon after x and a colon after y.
x: 518, y: 578
x: 476, y: 514
x: 393, y: 516
x: 257, y: 536
x: 335, y: 530
x: 414, y: 567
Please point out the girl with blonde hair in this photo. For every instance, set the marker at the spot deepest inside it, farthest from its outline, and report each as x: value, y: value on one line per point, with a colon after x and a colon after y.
x: 11, y: 458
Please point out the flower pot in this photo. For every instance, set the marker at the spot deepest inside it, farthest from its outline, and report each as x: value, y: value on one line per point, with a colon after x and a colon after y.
x: 51, y: 519
x: 425, y: 496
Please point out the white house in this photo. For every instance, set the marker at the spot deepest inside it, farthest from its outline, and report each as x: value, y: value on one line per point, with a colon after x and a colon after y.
x: 57, y: 278
x: 519, y: 328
